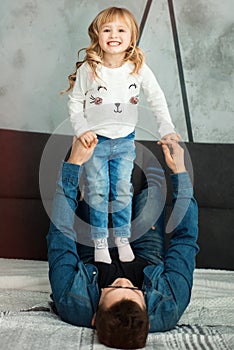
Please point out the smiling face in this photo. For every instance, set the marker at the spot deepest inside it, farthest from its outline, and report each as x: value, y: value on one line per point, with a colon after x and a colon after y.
x: 114, y: 33
x: 110, y: 296
x: 114, y: 38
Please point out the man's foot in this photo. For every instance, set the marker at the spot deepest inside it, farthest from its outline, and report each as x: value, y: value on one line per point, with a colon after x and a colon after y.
x: 101, y: 251
x: 124, y: 249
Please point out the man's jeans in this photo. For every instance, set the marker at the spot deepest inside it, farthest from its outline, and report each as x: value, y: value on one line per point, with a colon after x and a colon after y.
x: 109, y: 189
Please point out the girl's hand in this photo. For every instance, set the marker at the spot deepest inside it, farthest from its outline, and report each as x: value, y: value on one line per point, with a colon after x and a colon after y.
x: 87, y: 138
x: 171, y: 137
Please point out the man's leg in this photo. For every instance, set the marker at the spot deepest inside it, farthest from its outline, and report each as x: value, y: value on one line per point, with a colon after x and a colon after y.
x: 148, y: 219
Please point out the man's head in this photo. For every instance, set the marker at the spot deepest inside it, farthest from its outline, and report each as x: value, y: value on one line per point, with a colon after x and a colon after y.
x: 121, y: 319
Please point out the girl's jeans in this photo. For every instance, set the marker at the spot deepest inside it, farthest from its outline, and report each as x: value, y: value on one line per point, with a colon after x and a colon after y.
x: 109, y: 189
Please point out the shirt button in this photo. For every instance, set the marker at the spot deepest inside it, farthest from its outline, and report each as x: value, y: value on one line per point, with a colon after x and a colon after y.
x: 153, y: 228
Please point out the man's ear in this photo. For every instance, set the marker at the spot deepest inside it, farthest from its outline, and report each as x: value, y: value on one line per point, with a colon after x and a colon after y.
x: 94, y: 320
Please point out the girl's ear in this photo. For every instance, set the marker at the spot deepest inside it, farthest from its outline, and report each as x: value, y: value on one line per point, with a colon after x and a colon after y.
x: 94, y: 320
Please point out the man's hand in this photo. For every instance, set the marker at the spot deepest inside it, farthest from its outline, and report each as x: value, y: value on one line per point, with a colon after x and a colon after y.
x: 87, y: 138
x: 80, y: 154
x: 174, y: 156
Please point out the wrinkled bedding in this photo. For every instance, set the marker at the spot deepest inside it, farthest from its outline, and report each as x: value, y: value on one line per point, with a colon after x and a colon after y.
x: 27, y: 320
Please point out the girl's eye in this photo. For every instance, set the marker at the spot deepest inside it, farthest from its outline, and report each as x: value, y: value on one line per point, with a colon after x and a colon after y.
x: 132, y: 85
x: 101, y: 87
x: 121, y: 30
x: 106, y: 30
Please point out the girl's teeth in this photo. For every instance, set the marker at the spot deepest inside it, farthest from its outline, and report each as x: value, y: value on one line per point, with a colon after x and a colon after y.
x: 114, y: 43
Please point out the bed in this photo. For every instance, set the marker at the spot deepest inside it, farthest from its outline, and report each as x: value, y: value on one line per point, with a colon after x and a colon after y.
x: 27, y: 320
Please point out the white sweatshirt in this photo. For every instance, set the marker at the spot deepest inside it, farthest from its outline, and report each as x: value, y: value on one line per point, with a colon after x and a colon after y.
x: 108, y: 105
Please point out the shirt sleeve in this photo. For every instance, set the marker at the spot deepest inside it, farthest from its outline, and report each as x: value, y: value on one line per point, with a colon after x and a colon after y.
x: 157, y: 101
x: 180, y: 256
x: 76, y: 101
x: 61, y: 238
x: 73, y: 284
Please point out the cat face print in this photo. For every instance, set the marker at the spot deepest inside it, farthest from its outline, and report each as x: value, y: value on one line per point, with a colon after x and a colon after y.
x: 116, y: 97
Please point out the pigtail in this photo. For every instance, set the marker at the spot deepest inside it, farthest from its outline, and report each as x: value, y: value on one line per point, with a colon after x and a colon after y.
x: 136, y: 56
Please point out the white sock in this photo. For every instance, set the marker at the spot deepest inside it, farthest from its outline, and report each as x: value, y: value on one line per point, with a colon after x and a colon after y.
x: 101, y: 251
x: 124, y: 249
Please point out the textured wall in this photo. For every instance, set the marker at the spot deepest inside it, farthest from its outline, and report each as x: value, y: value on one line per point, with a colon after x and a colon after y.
x: 206, y: 32
x: 39, y: 41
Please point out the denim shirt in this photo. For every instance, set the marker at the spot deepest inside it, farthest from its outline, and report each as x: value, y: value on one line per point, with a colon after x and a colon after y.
x: 167, y: 285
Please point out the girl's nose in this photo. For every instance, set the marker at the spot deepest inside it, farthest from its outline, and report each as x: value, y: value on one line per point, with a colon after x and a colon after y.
x: 113, y: 34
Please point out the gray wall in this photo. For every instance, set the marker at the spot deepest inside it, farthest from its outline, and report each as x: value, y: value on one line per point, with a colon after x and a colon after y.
x: 39, y: 41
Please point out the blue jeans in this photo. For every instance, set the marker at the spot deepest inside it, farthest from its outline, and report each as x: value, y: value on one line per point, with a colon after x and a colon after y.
x: 109, y: 189
x: 147, y: 225
x: 150, y: 246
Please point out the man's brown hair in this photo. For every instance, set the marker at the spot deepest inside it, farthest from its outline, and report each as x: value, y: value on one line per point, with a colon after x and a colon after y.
x: 124, y: 325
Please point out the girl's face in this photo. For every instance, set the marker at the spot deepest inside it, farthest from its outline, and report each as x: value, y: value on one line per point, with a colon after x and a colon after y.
x: 114, y: 37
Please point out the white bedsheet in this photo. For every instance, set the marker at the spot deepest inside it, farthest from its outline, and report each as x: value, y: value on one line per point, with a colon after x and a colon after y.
x: 27, y: 321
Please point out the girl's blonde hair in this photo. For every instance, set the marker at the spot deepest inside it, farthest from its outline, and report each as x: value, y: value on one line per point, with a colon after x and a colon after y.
x: 94, y: 53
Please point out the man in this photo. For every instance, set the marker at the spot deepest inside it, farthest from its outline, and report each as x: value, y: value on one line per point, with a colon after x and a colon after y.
x: 123, y: 300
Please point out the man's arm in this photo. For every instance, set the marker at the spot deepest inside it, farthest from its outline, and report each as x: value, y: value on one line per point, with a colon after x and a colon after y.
x: 180, y: 256
x: 172, y: 280
x: 68, y: 277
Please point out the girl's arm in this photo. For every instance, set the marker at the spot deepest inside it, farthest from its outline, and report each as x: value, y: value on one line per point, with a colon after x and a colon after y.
x: 76, y: 102
x: 157, y: 101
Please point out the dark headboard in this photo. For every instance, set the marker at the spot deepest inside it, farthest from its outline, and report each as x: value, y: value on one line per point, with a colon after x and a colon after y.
x: 24, y: 221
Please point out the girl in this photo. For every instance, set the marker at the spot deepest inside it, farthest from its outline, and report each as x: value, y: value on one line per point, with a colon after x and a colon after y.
x: 103, y: 104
